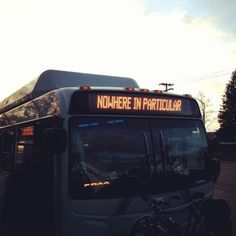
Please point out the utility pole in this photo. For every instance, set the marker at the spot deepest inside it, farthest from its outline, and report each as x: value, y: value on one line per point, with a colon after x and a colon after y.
x: 167, y: 85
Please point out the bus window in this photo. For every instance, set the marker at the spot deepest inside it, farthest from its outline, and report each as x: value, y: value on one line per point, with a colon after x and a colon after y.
x: 0, y: 150
x: 102, y: 151
x: 8, y: 149
x: 25, y: 144
x: 183, y: 145
x: 106, y: 154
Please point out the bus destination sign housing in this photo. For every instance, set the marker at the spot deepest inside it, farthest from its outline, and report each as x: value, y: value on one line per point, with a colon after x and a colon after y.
x: 102, y: 102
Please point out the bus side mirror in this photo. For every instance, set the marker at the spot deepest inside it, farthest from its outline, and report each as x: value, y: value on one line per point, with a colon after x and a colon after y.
x: 54, y: 140
x: 215, y: 168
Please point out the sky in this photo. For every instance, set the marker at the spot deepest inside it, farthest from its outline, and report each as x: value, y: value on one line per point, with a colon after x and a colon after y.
x: 191, y: 43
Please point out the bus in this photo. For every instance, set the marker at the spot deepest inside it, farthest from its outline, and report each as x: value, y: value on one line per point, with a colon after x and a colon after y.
x: 106, y: 140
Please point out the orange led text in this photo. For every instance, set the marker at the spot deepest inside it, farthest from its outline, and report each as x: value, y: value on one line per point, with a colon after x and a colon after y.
x: 138, y: 103
x: 114, y: 102
x: 96, y: 184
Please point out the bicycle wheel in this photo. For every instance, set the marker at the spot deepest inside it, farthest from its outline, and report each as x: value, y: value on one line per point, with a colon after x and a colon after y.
x: 148, y: 231
x: 147, y: 227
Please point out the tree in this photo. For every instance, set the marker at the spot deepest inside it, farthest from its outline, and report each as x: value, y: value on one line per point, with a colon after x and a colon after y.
x: 227, y: 114
x: 205, y: 107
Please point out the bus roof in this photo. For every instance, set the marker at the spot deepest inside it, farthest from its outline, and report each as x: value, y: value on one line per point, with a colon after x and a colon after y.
x: 55, y: 79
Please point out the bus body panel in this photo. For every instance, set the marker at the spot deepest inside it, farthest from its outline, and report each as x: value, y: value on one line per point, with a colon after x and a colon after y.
x: 54, y: 100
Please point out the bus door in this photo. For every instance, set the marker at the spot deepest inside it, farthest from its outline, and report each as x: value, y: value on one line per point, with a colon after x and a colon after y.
x: 7, y: 159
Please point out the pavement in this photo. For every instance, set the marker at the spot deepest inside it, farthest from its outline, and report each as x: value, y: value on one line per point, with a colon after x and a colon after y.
x: 225, y: 188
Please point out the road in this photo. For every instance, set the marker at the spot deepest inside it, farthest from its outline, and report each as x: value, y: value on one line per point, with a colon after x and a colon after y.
x: 225, y: 188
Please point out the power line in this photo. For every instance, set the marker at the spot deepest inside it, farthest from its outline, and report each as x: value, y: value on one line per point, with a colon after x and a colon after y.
x: 211, y: 75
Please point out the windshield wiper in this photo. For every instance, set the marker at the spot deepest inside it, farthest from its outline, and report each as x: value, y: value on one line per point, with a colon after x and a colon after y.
x: 146, y: 162
x: 143, y: 165
x: 167, y: 166
x: 162, y: 152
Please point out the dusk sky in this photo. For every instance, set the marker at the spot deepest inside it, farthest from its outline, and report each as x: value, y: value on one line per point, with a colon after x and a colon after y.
x: 191, y: 43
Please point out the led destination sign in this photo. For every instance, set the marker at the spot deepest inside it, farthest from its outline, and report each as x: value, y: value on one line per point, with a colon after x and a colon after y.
x: 93, y: 102
x: 138, y: 103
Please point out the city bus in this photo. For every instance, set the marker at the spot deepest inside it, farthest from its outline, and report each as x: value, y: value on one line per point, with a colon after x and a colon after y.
x: 107, y: 141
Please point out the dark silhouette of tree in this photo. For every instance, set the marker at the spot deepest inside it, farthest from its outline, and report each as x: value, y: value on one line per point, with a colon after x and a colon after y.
x: 227, y: 114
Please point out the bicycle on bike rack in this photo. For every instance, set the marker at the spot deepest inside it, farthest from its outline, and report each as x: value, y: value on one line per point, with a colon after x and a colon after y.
x: 155, y: 224
x: 209, y: 217
x: 159, y: 224
x: 196, y: 225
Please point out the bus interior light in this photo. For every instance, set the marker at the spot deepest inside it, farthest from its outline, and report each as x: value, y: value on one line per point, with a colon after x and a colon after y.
x: 27, y: 131
x: 85, y: 88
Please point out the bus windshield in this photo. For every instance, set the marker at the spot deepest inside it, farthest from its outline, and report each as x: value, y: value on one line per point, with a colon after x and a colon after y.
x: 115, y: 156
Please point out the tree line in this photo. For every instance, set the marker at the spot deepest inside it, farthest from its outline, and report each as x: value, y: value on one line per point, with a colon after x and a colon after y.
x: 227, y: 113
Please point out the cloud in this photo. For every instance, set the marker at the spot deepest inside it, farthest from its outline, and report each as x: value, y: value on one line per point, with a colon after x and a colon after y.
x: 109, y: 37
x: 221, y: 13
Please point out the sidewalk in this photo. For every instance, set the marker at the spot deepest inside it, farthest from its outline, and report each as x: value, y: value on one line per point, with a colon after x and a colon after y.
x: 225, y: 188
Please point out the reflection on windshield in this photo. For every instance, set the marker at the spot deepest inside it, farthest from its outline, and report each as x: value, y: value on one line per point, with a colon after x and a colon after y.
x: 113, y: 157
